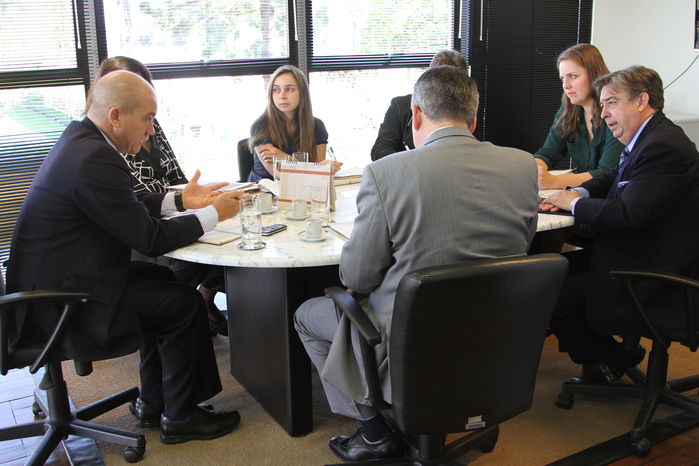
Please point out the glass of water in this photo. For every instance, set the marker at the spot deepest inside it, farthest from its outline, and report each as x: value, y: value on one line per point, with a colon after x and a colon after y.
x: 300, y: 156
x: 251, y: 225
x: 319, y: 202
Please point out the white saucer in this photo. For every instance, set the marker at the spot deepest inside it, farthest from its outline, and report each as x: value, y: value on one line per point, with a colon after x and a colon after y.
x: 290, y: 215
x: 305, y: 238
x: 270, y: 211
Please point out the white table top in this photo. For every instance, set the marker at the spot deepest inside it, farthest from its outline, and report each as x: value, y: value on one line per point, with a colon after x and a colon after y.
x: 286, y: 249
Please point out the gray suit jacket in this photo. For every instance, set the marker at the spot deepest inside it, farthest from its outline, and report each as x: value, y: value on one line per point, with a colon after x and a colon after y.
x: 454, y: 199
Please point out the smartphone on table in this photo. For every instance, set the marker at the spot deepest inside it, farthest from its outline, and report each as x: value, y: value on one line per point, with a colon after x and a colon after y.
x: 272, y: 229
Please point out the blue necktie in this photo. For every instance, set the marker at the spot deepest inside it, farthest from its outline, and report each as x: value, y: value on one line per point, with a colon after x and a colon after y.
x: 623, y: 157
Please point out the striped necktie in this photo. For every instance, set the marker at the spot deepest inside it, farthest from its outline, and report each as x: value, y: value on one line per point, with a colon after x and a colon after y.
x: 624, y: 156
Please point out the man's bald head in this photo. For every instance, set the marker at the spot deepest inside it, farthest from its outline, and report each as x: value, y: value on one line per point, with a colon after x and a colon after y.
x: 123, y: 105
x: 121, y: 89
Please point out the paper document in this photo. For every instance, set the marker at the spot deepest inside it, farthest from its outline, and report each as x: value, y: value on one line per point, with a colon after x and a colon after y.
x: 229, y: 187
x: 560, y: 172
x: 225, y: 232
x: 269, y: 185
x: 343, y: 229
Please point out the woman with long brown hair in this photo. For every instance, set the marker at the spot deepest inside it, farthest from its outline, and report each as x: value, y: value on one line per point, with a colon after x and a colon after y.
x: 287, y: 125
x: 577, y: 129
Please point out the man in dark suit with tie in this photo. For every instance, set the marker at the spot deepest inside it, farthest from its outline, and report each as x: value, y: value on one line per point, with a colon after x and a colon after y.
x: 76, y: 229
x: 643, y: 214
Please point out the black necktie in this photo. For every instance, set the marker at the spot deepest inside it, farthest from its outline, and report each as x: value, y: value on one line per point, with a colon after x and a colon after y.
x: 623, y: 157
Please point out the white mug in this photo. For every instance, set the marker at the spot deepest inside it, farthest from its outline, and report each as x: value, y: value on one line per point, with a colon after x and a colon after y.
x: 314, y: 228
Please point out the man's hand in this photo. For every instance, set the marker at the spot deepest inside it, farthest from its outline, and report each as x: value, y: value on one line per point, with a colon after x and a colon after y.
x: 227, y: 204
x: 196, y: 196
x: 559, y: 200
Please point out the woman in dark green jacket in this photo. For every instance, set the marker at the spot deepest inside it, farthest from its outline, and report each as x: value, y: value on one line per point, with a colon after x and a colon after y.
x: 577, y: 129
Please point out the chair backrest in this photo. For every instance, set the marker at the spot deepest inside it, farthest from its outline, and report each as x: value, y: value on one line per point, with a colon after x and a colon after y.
x: 245, y: 160
x: 466, y: 341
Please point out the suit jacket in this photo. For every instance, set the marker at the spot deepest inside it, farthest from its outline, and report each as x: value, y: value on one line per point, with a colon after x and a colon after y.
x: 644, y: 214
x: 454, y: 199
x: 396, y: 132
x: 78, y: 224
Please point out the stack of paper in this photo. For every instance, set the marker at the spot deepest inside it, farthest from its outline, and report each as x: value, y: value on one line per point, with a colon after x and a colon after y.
x: 348, y: 175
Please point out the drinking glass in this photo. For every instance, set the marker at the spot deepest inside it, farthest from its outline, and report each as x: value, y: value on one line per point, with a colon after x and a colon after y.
x: 319, y: 202
x: 276, y: 166
x: 300, y: 156
x: 250, y: 225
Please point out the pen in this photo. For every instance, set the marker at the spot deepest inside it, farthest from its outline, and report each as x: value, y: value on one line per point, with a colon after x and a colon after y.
x: 331, y: 153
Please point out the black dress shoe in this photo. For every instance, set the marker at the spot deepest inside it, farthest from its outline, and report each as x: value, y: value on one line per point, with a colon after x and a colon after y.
x: 358, y: 448
x: 219, y: 324
x: 201, y: 425
x: 148, y: 416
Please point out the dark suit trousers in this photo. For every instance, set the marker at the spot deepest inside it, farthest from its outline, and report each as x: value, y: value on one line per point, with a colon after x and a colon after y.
x: 178, y: 365
x: 568, y: 323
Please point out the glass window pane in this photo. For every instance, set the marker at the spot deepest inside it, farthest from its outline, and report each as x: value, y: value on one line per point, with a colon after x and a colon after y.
x: 352, y: 104
x: 204, y: 118
x: 39, y: 110
x: 162, y: 31
x: 380, y: 26
x: 36, y: 35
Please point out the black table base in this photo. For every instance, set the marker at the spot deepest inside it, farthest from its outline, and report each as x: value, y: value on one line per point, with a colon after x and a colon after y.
x: 267, y: 357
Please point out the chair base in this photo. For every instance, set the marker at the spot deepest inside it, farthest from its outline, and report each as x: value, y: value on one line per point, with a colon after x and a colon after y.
x: 653, y: 389
x: 429, y: 450
x: 60, y: 421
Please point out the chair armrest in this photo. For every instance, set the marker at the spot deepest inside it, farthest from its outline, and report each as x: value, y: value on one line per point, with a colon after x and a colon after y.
x: 354, y: 312
x: 42, y: 295
x: 689, y: 285
x: 648, y: 274
x: 370, y: 338
x: 69, y: 300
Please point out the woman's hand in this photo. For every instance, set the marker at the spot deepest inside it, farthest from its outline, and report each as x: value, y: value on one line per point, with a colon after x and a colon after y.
x: 266, y: 154
x: 335, y: 165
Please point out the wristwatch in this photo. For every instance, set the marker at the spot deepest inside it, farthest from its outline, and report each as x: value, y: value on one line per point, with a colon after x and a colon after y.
x: 179, y: 204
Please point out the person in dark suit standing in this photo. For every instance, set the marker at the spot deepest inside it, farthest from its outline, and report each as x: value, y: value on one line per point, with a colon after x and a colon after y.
x: 76, y: 229
x: 642, y: 213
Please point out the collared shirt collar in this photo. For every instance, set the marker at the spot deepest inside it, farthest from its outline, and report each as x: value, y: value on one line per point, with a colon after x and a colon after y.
x: 109, y: 141
x: 629, y: 146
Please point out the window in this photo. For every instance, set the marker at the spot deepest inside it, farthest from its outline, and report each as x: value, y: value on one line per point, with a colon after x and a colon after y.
x: 167, y: 31
x: 41, y: 91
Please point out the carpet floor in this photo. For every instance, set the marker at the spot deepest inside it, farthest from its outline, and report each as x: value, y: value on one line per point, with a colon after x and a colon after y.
x: 541, y: 435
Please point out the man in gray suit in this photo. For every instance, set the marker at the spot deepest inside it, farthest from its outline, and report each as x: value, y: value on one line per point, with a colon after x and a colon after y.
x: 452, y: 199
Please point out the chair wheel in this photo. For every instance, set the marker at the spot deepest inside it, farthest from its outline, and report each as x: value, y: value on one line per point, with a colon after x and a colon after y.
x: 640, y: 447
x: 487, y: 446
x: 565, y: 400
x: 36, y: 410
x: 133, y: 454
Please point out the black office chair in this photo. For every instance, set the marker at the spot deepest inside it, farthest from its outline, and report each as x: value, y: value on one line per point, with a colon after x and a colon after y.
x: 245, y: 160
x: 653, y: 388
x: 464, y: 349
x: 59, y: 421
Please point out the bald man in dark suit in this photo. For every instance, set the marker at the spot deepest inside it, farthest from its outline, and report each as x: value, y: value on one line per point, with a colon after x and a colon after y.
x: 76, y: 229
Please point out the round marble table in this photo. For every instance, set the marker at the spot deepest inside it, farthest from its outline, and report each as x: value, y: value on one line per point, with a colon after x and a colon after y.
x: 263, y: 290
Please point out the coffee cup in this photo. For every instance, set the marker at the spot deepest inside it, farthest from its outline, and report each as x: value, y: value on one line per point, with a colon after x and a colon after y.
x: 264, y: 202
x: 298, y: 208
x: 314, y: 228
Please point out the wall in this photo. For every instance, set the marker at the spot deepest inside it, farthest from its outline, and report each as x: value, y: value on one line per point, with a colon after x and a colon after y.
x: 654, y: 33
